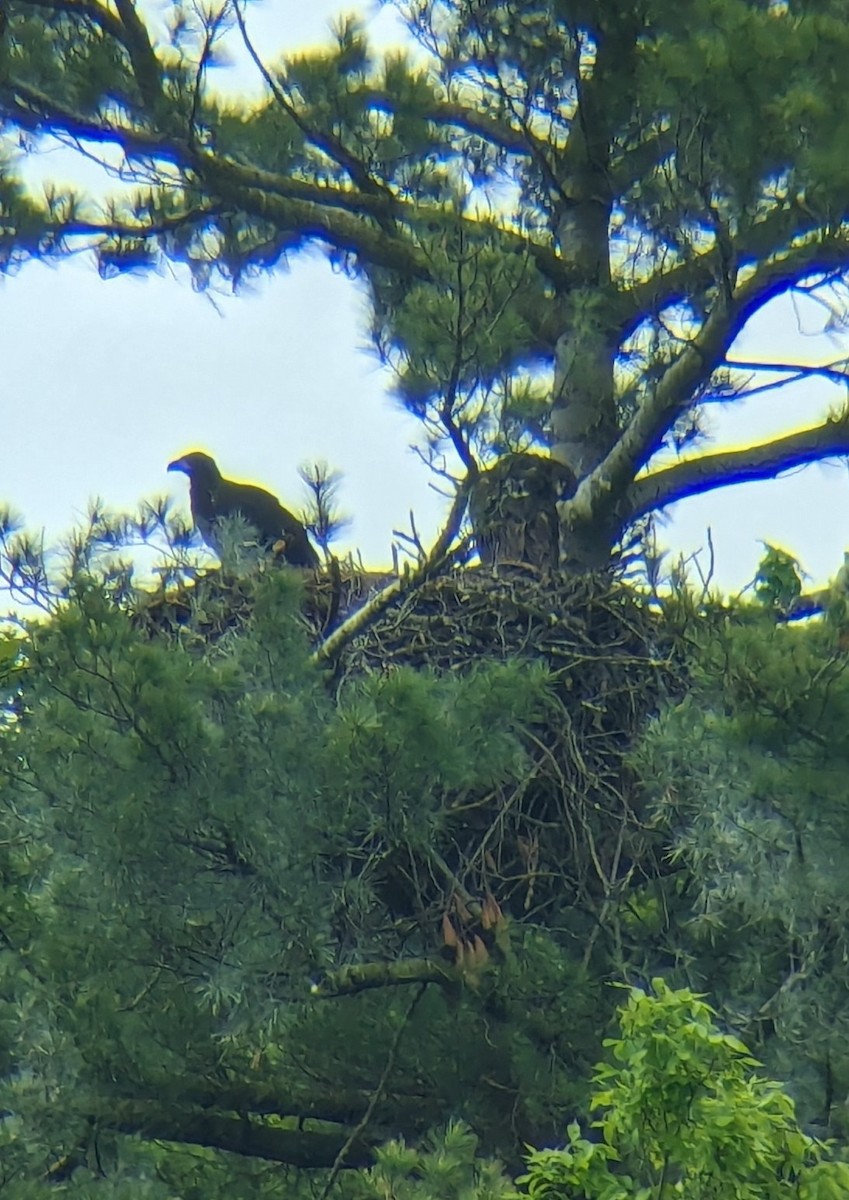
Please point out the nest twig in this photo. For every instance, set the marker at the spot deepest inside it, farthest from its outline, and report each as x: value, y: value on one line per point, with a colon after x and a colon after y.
x: 568, y: 836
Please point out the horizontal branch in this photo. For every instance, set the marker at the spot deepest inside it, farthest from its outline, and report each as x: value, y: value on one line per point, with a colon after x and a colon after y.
x: 296, y: 1147
x: 376, y: 245
x: 361, y: 977
x: 88, y: 9
x: 697, y: 475
x: 259, y: 1097
x: 254, y: 190
x: 835, y: 372
x: 32, y: 109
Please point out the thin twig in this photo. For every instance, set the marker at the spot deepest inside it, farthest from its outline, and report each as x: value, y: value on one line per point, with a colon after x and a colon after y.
x: 362, y: 1125
x: 439, y: 555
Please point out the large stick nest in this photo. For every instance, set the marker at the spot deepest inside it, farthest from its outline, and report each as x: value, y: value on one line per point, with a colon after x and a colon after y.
x: 561, y: 844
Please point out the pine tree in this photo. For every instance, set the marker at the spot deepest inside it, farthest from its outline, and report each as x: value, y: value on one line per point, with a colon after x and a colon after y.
x: 565, y: 214
x: 236, y: 908
x: 746, y: 780
x: 264, y: 907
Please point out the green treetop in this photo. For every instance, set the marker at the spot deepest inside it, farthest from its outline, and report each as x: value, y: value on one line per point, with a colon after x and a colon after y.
x: 565, y: 212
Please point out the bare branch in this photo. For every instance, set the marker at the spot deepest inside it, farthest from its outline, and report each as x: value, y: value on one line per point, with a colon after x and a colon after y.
x: 211, y: 33
x: 834, y: 372
x: 711, y: 471
x: 439, y: 555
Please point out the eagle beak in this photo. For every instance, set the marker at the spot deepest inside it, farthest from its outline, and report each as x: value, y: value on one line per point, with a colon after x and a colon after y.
x: 179, y: 464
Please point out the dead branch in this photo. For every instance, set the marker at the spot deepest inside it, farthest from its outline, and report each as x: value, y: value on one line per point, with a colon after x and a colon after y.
x: 404, y: 584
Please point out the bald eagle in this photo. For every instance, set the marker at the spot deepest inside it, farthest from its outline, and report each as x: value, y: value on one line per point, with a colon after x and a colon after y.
x: 213, y: 497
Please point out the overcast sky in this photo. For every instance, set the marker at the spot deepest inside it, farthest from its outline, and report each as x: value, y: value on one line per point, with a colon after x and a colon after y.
x: 105, y: 381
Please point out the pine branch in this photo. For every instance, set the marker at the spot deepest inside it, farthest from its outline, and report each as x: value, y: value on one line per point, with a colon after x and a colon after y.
x: 127, y: 28
x: 146, y: 67
x: 237, y: 1135
x: 809, y: 250
x: 89, y: 9
x: 326, y: 142
x: 457, y: 115
x: 32, y: 109
x: 815, y: 253
x: 711, y: 471
x: 304, y: 208
x: 364, y: 977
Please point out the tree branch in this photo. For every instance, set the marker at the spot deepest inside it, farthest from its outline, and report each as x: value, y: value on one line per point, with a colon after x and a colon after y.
x: 810, y: 250
x: 445, y: 113
x: 816, y: 254
x: 253, y: 190
x: 362, y: 977
x: 259, y: 1097
x: 834, y: 372
x: 142, y: 55
x: 326, y: 142
x: 128, y: 29
x: 238, y: 1135
x: 100, y: 16
x: 33, y: 109
x: 603, y: 489
x: 637, y: 161
x: 332, y: 646
x: 710, y: 471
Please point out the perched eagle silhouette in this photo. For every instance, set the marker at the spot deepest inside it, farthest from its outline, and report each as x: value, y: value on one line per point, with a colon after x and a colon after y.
x: 212, y: 497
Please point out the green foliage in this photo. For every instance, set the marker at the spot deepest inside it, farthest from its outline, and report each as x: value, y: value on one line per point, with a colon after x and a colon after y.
x: 778, y: 583
x: 564, y: 213
x: 191, y: 832
x: 681, y: 1111
x: 446, y: 1165
x: 746, y: 781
